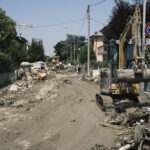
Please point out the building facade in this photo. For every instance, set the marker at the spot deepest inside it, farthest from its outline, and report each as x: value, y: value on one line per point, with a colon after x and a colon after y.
x: 22, y: 42
x: 98, y: 46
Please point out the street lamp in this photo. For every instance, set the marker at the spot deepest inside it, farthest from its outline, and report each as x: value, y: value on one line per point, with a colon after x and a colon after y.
x: 73, y: 39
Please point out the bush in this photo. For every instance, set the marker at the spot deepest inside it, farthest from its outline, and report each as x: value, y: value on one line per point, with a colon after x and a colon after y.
x: 5, y: 63
x: 95, y: 65
x: 84, y: 52
x: 72, y: 62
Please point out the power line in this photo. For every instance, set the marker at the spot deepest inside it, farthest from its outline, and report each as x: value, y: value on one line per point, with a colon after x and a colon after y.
x: 83, y: 23
x: 57, y: 24
x: 99, y: 22
x: 98, y: 3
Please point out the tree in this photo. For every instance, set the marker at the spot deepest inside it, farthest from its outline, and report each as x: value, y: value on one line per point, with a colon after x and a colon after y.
x: 59, y: 48
x: 65, y: 49
x: 5, y: 63
x: 7, y: 31
x: 120, y: 15
x: 17, y: 54
x: 10, y: 50
x: 74, y: 42
x: 83, y: 54
x: 36, y: 51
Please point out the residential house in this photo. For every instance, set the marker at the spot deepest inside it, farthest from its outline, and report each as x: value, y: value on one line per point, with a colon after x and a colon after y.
x: 98, y: 46
x: 55, y: 59
x: 22, y: 42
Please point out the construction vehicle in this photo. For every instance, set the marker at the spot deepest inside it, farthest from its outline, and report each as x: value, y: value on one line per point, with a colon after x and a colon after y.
x: 126, y: 69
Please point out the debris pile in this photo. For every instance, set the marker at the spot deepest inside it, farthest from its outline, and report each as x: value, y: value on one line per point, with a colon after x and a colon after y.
x: 102, y: 147
x: 9, y: 94
x: 134, y: 124
x: 89, y: 78
x: 20, y: 87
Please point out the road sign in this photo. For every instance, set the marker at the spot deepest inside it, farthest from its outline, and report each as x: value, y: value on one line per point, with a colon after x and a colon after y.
x: 147, y: 29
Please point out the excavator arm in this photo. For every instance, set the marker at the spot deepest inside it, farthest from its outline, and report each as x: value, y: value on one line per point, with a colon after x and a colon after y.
x: 131, y: 31
x: 138, y: 73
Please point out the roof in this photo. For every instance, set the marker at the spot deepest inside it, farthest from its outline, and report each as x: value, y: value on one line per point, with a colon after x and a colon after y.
x: 25, y: 64
x: 21, y: 39
x: 56, y: 57
x: 97, y: 34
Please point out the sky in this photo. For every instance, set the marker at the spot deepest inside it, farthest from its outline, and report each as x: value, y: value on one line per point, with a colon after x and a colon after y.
x: 50, y: 17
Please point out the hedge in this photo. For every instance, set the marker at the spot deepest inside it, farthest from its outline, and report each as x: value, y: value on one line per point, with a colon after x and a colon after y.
x: 5, y: 63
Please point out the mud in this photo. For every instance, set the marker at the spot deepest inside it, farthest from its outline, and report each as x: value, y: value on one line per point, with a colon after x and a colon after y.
x: 55, y: 116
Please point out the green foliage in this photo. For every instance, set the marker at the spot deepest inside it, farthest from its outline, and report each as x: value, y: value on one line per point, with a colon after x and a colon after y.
x: 5, y: 63
x: 9, y: 45
x: 71, y: 61
x: 65, y: 49
x: 36, y: 51
x: 95, y: 64
x: 48, y: 59
x: 120, y: 15
x: 7, y: 31
x: 83, y: 54
x: 59, y: 48
x: 17, y: 54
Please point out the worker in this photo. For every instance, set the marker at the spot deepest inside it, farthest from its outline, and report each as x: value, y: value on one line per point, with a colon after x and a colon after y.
x: 79, y: 69
x: 57, y: 66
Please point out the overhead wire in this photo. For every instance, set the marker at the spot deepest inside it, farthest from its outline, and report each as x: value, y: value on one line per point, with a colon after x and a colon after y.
x: 98, y: 3
x: 81, y: 27
x: 99, y: 22
x: 57, y: 24
x: 69, y: 22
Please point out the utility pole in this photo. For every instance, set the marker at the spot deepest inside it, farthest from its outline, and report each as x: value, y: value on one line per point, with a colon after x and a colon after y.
x: 144, y: 21
x: 143, y: 85
x: 88, y: 58
x: 73, y: 44
x: 74, y: 50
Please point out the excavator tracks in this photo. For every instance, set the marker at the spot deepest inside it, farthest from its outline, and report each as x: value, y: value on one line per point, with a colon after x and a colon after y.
x: 104, y: 101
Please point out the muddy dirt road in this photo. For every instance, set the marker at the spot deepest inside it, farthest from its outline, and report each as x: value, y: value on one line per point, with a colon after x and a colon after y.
x: 55, y: 116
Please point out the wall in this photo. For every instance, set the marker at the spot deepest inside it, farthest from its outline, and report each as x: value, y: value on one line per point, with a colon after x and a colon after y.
x: 100, y: 58
x: 98, y: 42
x: 6, y: 78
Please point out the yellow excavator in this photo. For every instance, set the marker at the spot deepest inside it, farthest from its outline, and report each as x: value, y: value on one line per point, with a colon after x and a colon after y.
x: 126, y: 70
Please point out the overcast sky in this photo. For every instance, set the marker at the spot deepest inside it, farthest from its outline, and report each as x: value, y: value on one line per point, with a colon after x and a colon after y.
x: 49, y: 17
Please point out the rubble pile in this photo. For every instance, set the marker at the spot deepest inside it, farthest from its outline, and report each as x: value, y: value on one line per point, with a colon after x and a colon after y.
x: 27, y: 76
x: 20, y: 87
x: 102, y: 147
x: 89, y: 78
x: 134, y: 125
x: 9, y: 94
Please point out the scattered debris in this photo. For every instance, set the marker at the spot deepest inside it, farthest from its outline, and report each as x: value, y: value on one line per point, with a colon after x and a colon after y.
x: 14, y: 88
x: 102, y: 147
x: 73, y: 120
x: 2, y: 102
x: 67, y: 81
